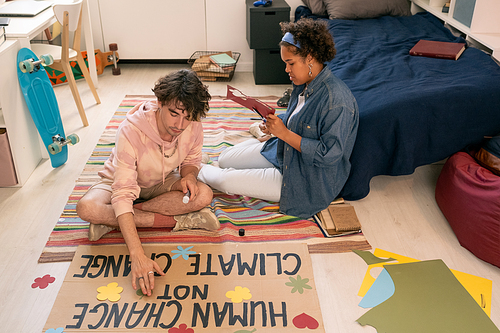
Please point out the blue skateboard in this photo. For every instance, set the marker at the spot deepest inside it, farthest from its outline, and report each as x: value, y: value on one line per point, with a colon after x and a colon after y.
x: 42, y: 103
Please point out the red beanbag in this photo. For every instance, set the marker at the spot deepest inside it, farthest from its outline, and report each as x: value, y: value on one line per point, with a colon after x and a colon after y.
x: 469, y: 197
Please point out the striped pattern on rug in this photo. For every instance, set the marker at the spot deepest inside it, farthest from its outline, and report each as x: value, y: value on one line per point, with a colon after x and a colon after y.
x: 226, y: 124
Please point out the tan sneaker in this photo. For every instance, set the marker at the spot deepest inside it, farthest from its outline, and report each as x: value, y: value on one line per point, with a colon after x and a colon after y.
x: 96, y: 231
x: 202, y: 219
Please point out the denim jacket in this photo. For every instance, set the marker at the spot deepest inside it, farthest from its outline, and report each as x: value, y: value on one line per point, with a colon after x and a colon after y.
x: 327, y: 123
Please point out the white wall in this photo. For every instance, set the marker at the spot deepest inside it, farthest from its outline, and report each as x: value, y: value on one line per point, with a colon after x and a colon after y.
x: 225, y: 27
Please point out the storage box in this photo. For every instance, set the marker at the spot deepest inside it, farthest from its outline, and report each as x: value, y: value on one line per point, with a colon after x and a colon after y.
x: 209, y: 70
x: 263, y: 29
x: 268, y: 68
x: 7, y: 172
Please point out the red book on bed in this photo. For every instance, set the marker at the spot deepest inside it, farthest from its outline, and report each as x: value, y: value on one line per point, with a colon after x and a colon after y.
x: 433, y: 49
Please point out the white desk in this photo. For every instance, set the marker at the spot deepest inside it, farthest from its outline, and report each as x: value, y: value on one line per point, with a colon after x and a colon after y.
x: 25, y: 143
x: 25, y: 29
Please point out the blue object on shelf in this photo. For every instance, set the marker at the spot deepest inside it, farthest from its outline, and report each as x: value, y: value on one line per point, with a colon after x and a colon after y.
x: 264, y: 3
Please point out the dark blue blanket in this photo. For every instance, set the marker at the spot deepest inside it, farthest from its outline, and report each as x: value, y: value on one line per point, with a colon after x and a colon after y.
x: 413, y: 110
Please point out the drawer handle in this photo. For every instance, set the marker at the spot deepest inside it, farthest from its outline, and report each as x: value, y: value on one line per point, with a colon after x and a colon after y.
x: 269, y: 13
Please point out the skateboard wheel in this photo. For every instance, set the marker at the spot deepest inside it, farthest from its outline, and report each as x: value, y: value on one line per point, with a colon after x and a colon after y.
x: 26, y: 66
x: 73, y: 139
x: 47, y: 59
x: 113, y: 47
x: 54, y: 148
x: 116, y: 71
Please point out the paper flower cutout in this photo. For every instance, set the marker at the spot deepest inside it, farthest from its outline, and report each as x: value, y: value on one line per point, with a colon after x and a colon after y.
x: 55, y: 330
x: 139, y: 293
x: 110, y: 292
x: 182, y: 252
x: 239, y: 294
x: 43, y: 282
x: 182, y: 329
x: 298, y: 284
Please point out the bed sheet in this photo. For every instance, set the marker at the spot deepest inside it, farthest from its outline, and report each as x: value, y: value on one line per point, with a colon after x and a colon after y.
x: 413, y: 110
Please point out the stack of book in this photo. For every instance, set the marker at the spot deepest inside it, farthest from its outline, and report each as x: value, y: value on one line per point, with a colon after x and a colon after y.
x: 338, y: 219
x: 212, y: 67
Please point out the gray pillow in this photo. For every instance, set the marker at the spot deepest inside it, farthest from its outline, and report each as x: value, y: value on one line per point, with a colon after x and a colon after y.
x: 362, y: 9
x: 317, y: 7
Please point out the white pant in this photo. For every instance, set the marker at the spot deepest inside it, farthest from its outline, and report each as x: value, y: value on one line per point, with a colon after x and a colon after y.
x: 244, y: 171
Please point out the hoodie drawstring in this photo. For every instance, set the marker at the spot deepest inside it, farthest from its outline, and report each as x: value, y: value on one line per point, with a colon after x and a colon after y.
x: 163, y: 163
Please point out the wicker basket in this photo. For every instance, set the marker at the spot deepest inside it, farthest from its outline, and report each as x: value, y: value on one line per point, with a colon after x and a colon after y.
x: 207, y: 70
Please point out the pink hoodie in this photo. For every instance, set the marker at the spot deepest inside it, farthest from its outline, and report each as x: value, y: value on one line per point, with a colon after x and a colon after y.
x: 137, y: 160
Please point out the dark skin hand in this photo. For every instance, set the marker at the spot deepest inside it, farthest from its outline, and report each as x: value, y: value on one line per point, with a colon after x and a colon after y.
x: 274, y: 125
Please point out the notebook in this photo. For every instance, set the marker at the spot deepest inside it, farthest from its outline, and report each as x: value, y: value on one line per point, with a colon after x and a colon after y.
x: 223, y: 60
x: 24, y: 8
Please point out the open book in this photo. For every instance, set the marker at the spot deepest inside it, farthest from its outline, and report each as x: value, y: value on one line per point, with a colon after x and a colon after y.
x: 261, y: 108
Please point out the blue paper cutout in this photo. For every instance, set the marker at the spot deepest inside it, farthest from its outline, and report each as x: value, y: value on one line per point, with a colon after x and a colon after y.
x: 380, y: 291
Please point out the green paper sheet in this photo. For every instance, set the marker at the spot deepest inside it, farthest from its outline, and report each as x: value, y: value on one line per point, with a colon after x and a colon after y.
x: 370, y: 258
x: 429, y: 299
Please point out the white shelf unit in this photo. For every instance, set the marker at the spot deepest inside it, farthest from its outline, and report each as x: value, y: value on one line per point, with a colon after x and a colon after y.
x: 485, y: 25
x: 15, y: 116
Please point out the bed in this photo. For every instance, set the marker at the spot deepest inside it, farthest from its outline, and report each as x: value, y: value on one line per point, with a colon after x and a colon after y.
x: 413, y: 110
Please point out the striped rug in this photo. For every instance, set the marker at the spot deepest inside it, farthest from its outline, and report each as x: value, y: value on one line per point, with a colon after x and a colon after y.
x: 227, y: 124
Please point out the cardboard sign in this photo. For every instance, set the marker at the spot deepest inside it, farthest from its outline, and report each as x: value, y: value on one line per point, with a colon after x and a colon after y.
x: 206, y: 288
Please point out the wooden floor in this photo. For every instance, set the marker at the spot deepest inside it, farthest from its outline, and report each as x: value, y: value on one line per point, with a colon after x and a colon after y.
x: 399, y: 215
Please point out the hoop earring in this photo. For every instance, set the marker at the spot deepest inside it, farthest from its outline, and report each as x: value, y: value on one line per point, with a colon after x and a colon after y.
x: 310, y: 70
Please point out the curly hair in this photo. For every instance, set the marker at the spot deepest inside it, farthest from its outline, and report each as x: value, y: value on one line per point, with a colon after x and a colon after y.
x: 185, y: 87
x: 313, y: 37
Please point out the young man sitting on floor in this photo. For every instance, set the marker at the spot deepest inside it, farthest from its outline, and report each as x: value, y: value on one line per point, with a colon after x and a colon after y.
x: 155, y: 161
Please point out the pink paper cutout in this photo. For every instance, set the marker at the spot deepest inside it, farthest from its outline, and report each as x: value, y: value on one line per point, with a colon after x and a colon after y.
x: 182, y: 329
x: 251, y: 103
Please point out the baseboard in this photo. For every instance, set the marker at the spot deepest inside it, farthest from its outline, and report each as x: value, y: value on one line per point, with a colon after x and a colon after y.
x: 240, y: 67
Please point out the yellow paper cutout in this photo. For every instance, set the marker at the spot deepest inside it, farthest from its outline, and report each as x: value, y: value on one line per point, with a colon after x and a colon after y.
x: 369, y: 279
x: 110, y: 292
x: 239, y: 294
x: 479, y: 288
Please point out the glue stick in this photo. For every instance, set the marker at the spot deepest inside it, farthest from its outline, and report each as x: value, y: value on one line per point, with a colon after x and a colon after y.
x: 185, y: 198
